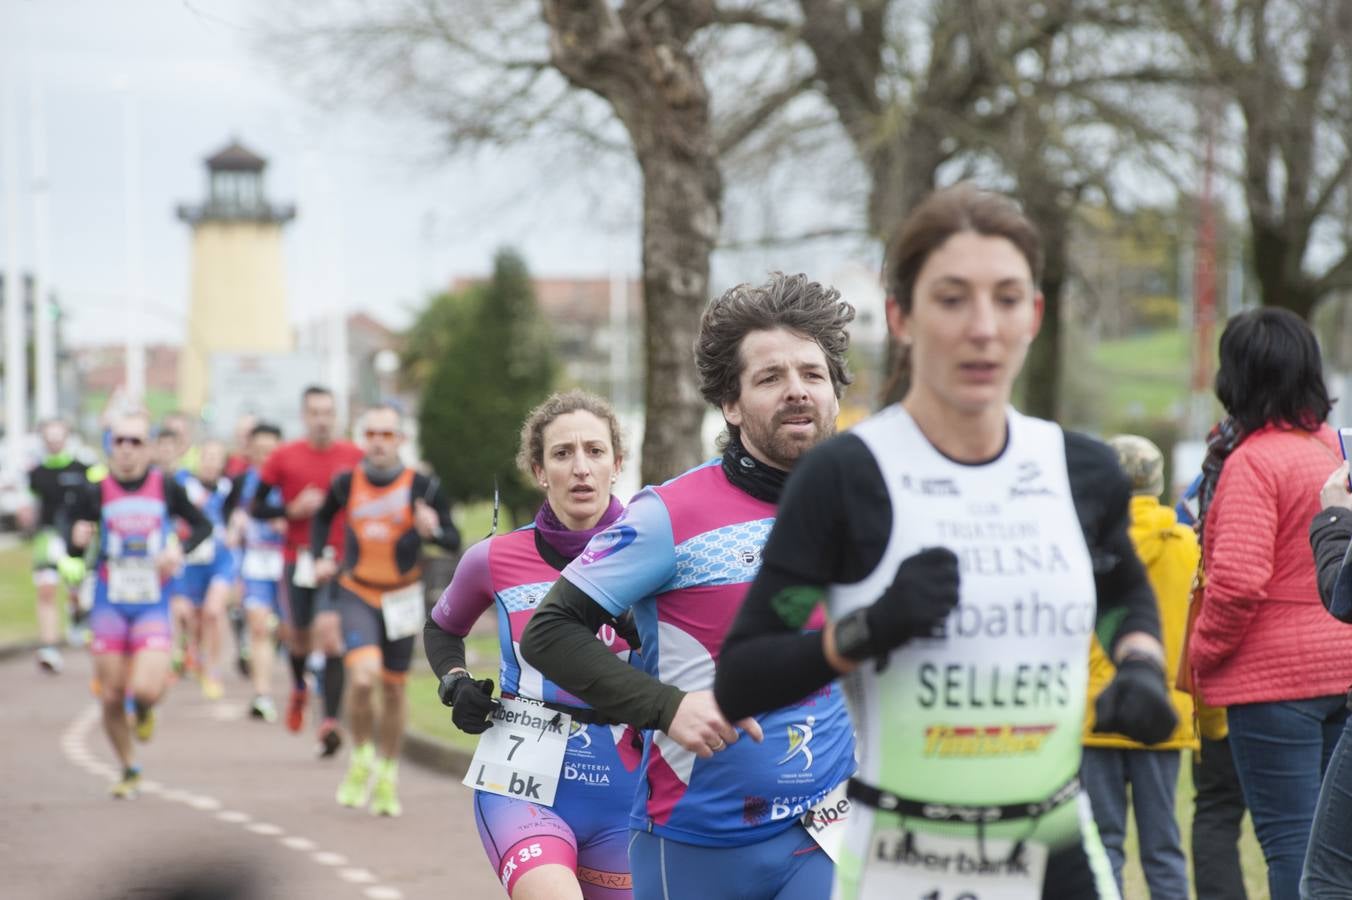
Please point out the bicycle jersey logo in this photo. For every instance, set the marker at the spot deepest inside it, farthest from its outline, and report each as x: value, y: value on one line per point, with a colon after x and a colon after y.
x: 747, y: 556
x: 974, y: 741
x: 580, y: 732
x: 608, y: 543
x: 800, y: 743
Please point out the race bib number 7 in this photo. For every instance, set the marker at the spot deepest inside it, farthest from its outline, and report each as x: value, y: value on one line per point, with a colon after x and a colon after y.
x: 937, y: 867
x: 522, y: 754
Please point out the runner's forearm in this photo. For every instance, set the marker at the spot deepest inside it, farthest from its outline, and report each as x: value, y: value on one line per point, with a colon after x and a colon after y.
x: 261, y: 508
x: 445, y: 651
x: 767, y: 660
x: 181, y: 506
x: 323, y: 521
x: 561, y: 642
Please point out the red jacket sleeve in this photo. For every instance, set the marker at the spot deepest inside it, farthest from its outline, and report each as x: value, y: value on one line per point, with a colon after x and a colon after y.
x: 1240, y: 535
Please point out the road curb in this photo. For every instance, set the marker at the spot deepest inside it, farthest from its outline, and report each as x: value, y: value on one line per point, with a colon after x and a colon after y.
x: 18, y: 648
x: 439, y: 756
x: 419, y: 749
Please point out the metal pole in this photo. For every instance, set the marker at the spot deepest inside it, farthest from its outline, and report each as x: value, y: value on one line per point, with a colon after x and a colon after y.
x: 44, y: 329
x: 619, y: 336
x: 131, y: 233
x: 1204, y: 277
x: 16, y: 355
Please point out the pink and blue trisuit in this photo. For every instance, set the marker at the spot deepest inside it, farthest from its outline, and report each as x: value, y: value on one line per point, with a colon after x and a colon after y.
x: 131, y: 601
x: 682, y: 558
x: 587, y: 827
x: 212, y: 560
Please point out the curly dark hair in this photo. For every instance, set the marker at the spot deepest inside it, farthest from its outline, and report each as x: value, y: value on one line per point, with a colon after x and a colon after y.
x: 792, y: 302
x: 532, y: 450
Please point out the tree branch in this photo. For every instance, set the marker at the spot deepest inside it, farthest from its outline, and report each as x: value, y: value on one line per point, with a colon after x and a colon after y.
x: 754, y: 18
x: 815, y: 234
x: 735, y: 133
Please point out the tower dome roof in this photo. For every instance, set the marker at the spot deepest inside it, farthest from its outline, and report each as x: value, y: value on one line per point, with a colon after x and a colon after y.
x: 235, y: 157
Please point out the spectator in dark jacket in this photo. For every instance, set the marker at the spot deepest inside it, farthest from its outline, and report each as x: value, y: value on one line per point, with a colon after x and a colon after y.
x: 1328, y: 865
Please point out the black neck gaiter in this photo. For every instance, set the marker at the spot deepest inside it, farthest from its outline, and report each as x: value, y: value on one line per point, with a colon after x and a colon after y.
x: 750, y: 474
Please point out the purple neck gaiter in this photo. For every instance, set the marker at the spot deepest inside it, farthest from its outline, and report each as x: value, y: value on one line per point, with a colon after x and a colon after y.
x: 567, y: 542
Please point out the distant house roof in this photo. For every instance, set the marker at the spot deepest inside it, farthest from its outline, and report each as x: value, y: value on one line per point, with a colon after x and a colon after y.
x: 580, y: 301
x: 236, y: 158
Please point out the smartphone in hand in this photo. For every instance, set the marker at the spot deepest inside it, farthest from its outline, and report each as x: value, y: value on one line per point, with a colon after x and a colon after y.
x: 1345, y: 442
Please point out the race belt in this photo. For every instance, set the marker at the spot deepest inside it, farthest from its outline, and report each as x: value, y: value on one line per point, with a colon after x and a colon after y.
x: 977, y: 814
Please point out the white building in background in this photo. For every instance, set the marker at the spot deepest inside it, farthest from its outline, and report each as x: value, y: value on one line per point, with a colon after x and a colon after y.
x: 861, y: 286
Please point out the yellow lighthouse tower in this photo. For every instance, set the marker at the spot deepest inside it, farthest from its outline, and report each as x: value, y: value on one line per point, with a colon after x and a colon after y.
x: 238, y: 279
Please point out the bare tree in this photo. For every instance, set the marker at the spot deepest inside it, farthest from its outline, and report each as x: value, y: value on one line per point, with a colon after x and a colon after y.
x: 1286, y: 68
x: 509, y: 71
x: 1020, y: 92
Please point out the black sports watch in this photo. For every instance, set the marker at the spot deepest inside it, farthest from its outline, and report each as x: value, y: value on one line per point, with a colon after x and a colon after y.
x: 853, y: 640
x: 446, y: 689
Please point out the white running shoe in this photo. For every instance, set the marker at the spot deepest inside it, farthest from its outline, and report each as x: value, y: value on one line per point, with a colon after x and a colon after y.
x: 49, y: 660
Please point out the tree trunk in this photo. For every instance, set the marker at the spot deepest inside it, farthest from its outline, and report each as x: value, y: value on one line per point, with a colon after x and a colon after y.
x: 1281, y: 281
x: 681, y: 200
x: 903, y: 175
x: 1044, y: 204
x: 1042, y: 389
x: 638, y: 59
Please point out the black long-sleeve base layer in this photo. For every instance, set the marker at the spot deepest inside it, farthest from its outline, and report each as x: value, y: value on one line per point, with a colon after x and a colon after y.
x: 561, y: 642
x: 833, y: 526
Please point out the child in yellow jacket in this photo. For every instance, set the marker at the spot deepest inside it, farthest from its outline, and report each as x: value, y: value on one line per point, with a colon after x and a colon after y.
x: 1111, y: 762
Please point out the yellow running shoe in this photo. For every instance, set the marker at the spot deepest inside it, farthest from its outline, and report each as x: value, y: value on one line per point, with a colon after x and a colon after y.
x: 212, y: 688
x: 384, y: 796
x: 128, y: 787
x: 145, y: 725
x: 355, y: 788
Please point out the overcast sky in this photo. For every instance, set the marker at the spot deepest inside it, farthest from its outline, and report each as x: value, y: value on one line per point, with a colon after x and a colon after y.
x: 382, y: 217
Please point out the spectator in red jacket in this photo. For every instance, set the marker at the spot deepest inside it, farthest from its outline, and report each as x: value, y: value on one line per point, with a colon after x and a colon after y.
x: 1263, y: 644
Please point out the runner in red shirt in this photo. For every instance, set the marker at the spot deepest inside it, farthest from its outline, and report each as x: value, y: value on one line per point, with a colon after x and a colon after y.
x: 302, y: 470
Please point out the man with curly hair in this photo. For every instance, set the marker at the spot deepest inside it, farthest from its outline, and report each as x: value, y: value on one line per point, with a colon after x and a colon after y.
x: 718, y: 816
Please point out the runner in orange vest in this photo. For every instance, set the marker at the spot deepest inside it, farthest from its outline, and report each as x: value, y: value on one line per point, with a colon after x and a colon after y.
x: 391, y: 510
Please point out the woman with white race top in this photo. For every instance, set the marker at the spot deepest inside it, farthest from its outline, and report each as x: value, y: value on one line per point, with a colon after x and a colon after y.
x: 966, y: 554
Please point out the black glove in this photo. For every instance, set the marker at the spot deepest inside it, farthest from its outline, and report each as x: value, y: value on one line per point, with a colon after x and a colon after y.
x: 1136, y: 702
x: 917, y: 603
x: 470, y: 701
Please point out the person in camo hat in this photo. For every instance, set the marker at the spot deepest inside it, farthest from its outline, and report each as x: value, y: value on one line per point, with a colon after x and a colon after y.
x: 1111, y: 761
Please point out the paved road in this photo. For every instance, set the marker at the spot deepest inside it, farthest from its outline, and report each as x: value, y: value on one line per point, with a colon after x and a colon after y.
x: 227, y: 796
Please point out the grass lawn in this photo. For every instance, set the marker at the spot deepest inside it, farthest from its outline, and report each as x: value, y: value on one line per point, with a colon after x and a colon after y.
x: 18, y: 620
x: 1143, y: 377
x: 426, y: 714
x: 1163, y: 353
